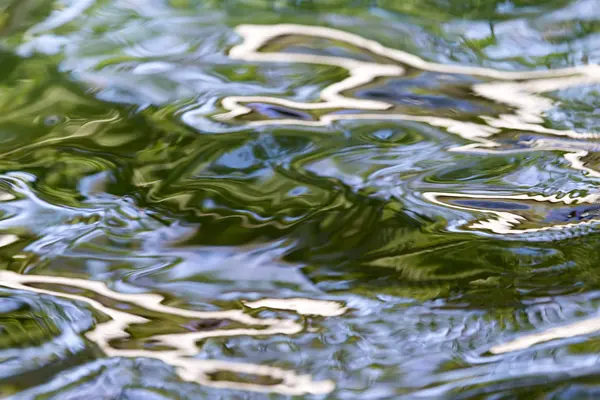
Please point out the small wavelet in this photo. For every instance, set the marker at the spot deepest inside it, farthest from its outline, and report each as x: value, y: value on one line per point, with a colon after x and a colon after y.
x: 324, y: 199
x: 200, y: 371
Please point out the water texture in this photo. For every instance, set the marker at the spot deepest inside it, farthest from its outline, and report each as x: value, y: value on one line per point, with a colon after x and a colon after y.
x: 299, y: 199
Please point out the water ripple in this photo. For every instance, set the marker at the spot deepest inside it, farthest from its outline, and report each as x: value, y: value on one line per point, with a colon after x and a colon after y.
x: 329, y: 199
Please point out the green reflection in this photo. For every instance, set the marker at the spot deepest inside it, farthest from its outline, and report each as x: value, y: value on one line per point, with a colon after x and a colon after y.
x: 443, y: 211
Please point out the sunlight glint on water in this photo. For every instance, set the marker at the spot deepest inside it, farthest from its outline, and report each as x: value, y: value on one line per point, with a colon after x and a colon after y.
x: 325, y: 199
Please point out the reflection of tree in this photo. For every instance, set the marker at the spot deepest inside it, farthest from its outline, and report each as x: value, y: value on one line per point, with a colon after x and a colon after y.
x: 241, y: 188
x: 17, y: 15
x: 432, y: 9
x: 469, y: 9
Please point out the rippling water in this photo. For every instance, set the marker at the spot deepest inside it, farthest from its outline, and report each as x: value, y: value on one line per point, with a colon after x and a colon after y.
x: 313, y: 198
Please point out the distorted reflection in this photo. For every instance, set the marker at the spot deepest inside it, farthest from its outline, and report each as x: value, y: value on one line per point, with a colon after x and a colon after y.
x: 184, y: 345
x: 527, y: 340
x: 301, y: 306
x: 517, y: 127
x: 522, y: 214
x: 323, y: 199
x: 516, y: 96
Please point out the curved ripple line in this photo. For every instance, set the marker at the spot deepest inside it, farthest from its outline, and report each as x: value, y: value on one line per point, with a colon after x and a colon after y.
x: 504, y: 221
x: 579, y: 328
x: 300, y: 306
x: 59, y: 18
x: 189, y: 369
x: 256, y: 36
x: 519, y: 90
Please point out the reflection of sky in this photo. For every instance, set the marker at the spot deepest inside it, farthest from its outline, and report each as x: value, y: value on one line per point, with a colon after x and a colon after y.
x: 156, y: 55
x: 184, y: 344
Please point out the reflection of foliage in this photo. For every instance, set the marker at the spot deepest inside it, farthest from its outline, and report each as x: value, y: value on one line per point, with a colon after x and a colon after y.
x: 241, y: 187
x: 24, y: 328
x: 469, y: 9
x: 40, y: 116
x: 436, y: 9
x: 18, y: 15
x: 37, y: 334
x: 113, y: 166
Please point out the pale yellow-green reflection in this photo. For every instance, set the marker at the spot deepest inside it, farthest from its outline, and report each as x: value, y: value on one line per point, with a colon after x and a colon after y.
x: 506, y: 222
x: 301, y: 306
x: 184, y: 345
x: 518, y: 90
x: 584, y: 327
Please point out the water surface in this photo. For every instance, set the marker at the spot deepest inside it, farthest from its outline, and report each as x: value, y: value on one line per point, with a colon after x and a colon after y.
x: 310, y: 199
